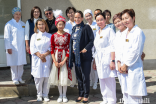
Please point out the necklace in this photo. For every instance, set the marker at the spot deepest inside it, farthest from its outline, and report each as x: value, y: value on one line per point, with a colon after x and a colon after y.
x: 50, y: 22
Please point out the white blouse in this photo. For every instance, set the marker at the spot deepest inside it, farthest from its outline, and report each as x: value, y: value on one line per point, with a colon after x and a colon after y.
x: 69, y: 26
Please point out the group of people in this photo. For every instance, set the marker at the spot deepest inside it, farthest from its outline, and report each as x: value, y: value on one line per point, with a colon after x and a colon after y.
x: 64, y: 53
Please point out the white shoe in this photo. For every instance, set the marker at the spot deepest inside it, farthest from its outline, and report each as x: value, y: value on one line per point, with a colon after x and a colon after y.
x: 95, y: 86
x: 21, y: 81
x: 46, y: 99
x: 65, y: 99
x: 59, y: 100
x: 16, y: 82
x: 39, y: 98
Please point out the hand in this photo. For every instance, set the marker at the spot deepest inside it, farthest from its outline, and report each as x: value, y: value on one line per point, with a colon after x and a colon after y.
x: 9, y: 51
x: 27, y: 49
x: 44, y: 60
x: 112, y: 65
x: 42, y: 56
x: 83, y: 51
x: 142, y: 56
x: 56, y: 64
x: 61, y: 63
x: 119, y: 67
x: 94, y: 65
x: 124, y: 68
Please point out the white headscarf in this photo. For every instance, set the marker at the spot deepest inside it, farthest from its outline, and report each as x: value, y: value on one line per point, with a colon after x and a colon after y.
x: 57, y: 13
x: 87, y: 11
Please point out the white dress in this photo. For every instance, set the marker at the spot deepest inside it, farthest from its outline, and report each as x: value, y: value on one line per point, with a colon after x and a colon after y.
x: 119, y: 42
x: 104, y: 45
x: 14, y: 39
x: 40, y: 42
x: 131, y: 56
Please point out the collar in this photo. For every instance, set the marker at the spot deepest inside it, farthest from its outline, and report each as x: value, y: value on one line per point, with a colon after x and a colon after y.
x: 133, y: 28
x: 42, y: 32
x: 80, y: 25
x: 15, y: 20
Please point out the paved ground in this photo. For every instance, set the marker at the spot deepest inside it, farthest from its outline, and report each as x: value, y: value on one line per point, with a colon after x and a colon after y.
x: 150, y: 76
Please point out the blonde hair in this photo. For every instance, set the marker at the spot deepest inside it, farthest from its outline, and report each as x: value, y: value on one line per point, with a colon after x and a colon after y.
x: 46, y: 26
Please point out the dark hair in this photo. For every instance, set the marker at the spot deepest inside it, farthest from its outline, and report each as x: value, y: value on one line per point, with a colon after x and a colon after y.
x: 98, y: 10
x: 107, y: 11
x: 67, y: 10
x: 78, y: 11
x: 32, y: 12
x: 129, y: 11
x: 118, y: 15
x: 101, y: 15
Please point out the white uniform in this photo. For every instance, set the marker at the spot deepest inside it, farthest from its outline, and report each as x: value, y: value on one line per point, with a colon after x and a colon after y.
x: 69, y: 26
x: 40, y: 42
x: 104, y: 45
x: 68, y: 29
x: 14, y: 39
x: 93, y: 73
x: 131, y: 56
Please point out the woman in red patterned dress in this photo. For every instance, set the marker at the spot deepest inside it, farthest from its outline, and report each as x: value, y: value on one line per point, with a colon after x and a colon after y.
x: 60, y: 74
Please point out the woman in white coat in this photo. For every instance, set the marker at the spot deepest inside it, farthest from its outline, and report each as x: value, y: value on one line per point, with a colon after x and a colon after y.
x: 105, y: 60
x: 89, y: 18
x: 15, y: 45
x: 130, y: 61
x: 41, y: 58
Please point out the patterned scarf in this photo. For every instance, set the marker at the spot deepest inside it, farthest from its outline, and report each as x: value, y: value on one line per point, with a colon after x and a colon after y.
x: 77, y: 46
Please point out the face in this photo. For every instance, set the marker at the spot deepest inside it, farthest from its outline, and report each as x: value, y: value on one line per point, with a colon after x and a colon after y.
x: 127, y: 20
x: 60, y: 25
x: 96, y: 12
x: 70, y: 14
x: 36, y: 13
x: 17, y: 16
x: 41, y: 26
x: 107, y: 16
x: 118, y: 24
x: 78, y: 19
x: 88, y: 17
x: 101, y: 22
x: 49, y: 14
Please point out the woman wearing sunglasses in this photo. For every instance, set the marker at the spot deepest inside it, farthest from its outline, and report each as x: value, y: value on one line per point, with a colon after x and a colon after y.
x: 48, y: 12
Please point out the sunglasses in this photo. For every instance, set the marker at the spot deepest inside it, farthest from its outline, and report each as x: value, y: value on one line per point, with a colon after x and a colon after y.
x: 48, y: 13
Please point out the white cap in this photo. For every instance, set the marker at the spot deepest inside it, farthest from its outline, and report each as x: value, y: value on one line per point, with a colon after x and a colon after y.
x: 87, y: 11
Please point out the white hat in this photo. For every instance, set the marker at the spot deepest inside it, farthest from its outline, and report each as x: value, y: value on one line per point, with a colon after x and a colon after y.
x: 57, y: 12
x: 87, y: 11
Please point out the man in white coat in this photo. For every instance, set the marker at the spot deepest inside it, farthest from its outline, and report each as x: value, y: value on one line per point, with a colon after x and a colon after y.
x: 15, y: 45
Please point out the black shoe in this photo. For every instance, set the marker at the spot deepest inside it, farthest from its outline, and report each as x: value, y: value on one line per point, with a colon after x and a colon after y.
x: 79, y: 101
x: 85, y: 102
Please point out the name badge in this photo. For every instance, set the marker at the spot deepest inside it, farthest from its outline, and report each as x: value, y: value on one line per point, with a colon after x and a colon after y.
x: 127, y: 40
x: 94, y: 28
x: 23, y: 26
x: 101, y: 37
x: 38, y: 39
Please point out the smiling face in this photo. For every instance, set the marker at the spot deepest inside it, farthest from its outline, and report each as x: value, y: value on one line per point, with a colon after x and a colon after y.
x: 78, y: 19
x: 101, y: 22
x: 119, y: 24
x: 36, y: 13
x: 49, y: 15
x: 41, y: 26
x: 17, y: 16
x: 88, y: 17
x: 127, y: 20
x: 60, y: 25
x: 70, y: 14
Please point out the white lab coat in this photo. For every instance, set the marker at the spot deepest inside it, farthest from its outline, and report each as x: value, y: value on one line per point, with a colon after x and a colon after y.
x: 69, y: 26
x: 131, y: 56
x: 40, y: 42
x: 104, y: 45
x: 119, y: 42
x: 14, y: 39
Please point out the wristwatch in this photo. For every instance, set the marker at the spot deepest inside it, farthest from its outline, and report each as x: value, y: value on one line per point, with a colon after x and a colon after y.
x: 112, y: 60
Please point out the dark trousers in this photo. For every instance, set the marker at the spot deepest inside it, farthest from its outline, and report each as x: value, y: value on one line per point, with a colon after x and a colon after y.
x: 83, y: 77
x: 30, y: 65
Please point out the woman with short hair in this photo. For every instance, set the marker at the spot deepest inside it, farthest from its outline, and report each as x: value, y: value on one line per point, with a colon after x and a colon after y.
x: 15, y: 45
x: 41, y: 58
